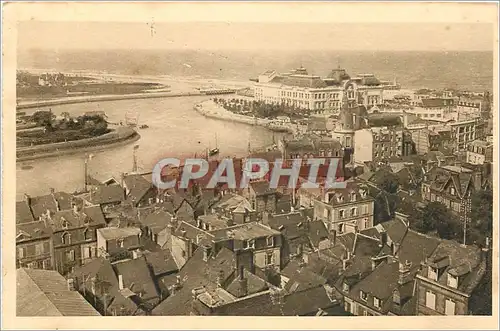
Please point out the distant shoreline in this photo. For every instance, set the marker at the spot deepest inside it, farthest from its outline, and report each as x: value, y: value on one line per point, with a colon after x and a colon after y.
x: 97, y: 98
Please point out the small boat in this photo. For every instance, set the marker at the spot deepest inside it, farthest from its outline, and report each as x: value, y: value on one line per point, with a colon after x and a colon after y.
x: 144, y: 126
x: 213, y: 151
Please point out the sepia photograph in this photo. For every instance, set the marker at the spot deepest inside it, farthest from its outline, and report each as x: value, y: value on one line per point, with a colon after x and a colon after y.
x: 329, y: 160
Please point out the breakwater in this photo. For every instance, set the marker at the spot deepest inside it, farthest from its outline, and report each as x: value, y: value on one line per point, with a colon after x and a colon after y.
x: 97, y: 98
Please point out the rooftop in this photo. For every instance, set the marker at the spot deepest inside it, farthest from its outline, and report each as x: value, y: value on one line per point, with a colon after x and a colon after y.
x: 118, y: 233
x: 46, y: 293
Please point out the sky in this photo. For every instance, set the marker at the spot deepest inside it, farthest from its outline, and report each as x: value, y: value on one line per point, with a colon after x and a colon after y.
x: 256, y: 36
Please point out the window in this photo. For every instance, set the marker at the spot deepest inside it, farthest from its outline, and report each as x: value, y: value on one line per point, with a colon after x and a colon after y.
x: 341, y: 213
x: 46, y: 264
x: 354, y: 211
x: 249, y: 244
x: 345, y: 287
x: 87, y: 252
x: 363, y: 295
x: 341, y: 227
x: 87, y: 235
x: 20, y: 252
x: 270, y: 241
x: 452, y: 191
x: 70, y: 255
x: 452, y: 281
x: 66, y: 238
x: 430, y: 300
x: 449, y: 308
x: 120, y: 243
x: 366, y: 224
x: 376, y: 302
x: 269, y: 258
x: 65, y: 223
x: 39, y: 249
x: 432, y: 273
x: 353, y: 196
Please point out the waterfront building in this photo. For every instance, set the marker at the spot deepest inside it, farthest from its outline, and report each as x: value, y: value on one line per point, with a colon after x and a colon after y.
x: 302, y: 90
x: 34, y: 246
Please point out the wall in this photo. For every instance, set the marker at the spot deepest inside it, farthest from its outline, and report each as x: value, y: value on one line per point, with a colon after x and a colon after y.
x: 441, y: 295
x: 180, y: 250
x: 363, y: 149
x: 260, y: 257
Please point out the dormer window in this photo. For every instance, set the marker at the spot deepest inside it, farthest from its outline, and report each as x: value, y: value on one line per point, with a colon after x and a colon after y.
x: 270, y: 241
x: 363, y: 295
x: 452, y: 191
x: 362, y: 193
x: 340, y: 198
x: 87, y: 235
x: 432, y: 273
x: 452, y: 281
x: 352, y: 196
x: 376, y: 302
x: 345, y: 287
x: 66, y: 238
x: 249, y: 244
x: 65, y: 224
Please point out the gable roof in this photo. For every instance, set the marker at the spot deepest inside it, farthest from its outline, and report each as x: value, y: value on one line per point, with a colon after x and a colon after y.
x: 104, y: 194
x: 137, y: 277
x: 157, y: 221
x: 46, y: 293
x: 32, y: 231
x: 137, y: 186
x: 89, y: 216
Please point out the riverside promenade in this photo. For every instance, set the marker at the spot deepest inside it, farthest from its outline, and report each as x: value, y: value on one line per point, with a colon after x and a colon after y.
x: 210, y: 109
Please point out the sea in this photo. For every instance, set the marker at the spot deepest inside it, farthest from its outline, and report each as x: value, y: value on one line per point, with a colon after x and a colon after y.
x: 458, y: 70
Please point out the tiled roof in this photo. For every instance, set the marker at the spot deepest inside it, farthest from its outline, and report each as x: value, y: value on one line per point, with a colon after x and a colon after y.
x: 46, y: 293
x: 317, y: 232
x: 464, y: 260
x: 196, y: 273
x: 288, y: 224
x: 137, y: 277
x: 356, y: 189
x: 104, y: 194
x: 118, y: 233
x: 161, y: 262
x: 23, y: 212
x: 304, y: 81
x: 300, y: 277
x: 137, y: 187
x: 157, y: 221
x: 89, y: 216
x: 246, y: 231
x: 40, y: 204
x: 32, y: 231
x: 254, y: 284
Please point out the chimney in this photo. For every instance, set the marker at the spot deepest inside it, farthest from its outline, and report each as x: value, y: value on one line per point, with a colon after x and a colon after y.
x: 265, y: 218
x: 374, y: 264
x: 383, y: 238
x: 120, y: 282
x: 404, y: 273
x: 395, y: 249
x: 71, y: 284
x: 333, y: 236
x: 183, y: 233
x: 220, y: 278
x: 242, y: 283
x: 178, y: 281
x: 76, y: 209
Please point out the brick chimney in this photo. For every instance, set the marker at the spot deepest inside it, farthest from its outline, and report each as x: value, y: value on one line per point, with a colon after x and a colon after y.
x: 383, y: 238
x: 404, y: 273
x: 242, y: 283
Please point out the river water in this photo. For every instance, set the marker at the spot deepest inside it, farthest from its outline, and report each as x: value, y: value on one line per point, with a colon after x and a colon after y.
x: 175, y: 130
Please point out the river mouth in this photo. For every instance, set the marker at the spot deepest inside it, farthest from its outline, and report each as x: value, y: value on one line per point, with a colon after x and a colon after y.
x: 175, y: 129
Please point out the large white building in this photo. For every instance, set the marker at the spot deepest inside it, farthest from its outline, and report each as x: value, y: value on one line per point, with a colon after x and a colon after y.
x: 300, y: 89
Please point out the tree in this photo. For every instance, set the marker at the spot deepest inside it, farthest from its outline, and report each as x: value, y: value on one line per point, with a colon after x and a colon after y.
x: 436, y: 217
x: 43, y: 118
x: 481, y: 216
